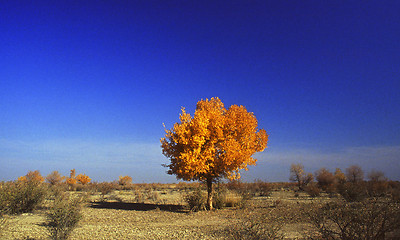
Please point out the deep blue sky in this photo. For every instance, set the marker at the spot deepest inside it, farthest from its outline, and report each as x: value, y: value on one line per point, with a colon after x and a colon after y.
x: 88, y: 84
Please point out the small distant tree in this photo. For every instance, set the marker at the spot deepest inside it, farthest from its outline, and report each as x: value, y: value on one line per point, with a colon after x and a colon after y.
x: 32, y: 176
x: 83, y: 179
x: 54, y: 178
x: 297, y: 174
x: 378, y: 184
x: 215, y: 143
x: 354, y: 174
x: 124, y: 181
x: 376, y: 176
x: 340, y: 178
x: 71, y: 181
x: 325, y: 179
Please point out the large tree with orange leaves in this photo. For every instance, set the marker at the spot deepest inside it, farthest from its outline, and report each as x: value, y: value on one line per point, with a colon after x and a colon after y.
x: 215, y: 143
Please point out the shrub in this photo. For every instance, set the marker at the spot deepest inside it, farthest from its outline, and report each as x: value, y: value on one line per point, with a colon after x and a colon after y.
x: 359, y: 220
x: 71, y: 181
x: 125, y: 181
x: 63, y: 216
x: 353, y: 192
x: 83, y: 179
x: 255, y: 226
x: 226, y: 198
x: 34, y: 176
x: 325, y: 179
x: 22, y: 197
x: 196, y: 200
x: 105, y: 188
x: 340, y: 178
x: 297, y: 174
x: 312, y: 190
x: 377, y: 188
x: 262, y: 188
x: 54, y: 178
x: 354, y: 174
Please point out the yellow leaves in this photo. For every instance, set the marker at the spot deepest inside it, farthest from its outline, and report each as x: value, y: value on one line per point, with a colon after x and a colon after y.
x: 124, y: 181
x: 83, y: 179
x: 22, y: 179
x: 70, y: 181
x: 34, y: 177
x: 216, y: 142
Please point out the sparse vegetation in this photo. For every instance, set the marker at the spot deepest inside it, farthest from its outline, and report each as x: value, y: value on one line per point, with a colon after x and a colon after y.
x: 63, y: 216
x: 21, y: 197
x: 257, y: 210
x: 370, y: 219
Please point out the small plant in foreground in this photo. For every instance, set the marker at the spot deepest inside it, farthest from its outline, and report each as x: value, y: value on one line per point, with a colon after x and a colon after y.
x: 22, y: 197
x: 255, y: 227
x: 196, y: 200
x: 63, y: 216
x: 366, y: 220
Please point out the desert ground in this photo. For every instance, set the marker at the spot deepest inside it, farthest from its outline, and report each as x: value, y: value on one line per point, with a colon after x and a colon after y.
x: 163, y: 214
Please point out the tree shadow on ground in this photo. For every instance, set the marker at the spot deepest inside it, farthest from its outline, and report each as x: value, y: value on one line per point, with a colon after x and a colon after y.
x: 137, y: 206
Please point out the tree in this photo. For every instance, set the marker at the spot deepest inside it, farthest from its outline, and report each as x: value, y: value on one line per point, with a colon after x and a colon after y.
x: 83, y: 179
x: 54, y: 178
x: 298, y: 175
x: 215, y: 143
x: 376, y: 176
x: 71, y: 181
x: 354, y: 174
x: 34, y: 177
x: 340, y: 178
x: 325, y: 179
x: 124, y: 181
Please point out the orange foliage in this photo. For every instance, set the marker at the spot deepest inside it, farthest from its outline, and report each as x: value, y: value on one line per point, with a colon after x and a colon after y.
x: 22, y: 179
x: 71, y: 180
x: 216, y: 142
x: 84, y: 179
x: 126, y: 180
x: 34, y: 177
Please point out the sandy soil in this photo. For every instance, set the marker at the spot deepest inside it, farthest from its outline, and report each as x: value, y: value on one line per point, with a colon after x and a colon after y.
x: 161, y: 216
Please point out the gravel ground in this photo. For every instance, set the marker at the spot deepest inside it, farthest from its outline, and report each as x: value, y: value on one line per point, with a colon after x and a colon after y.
x: 159, y: 218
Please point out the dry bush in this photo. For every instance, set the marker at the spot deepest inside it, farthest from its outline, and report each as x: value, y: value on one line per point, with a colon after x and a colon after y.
x: 196, y: 200
x: 255, y: 226
x: 34, y: 176
x: 354, y: 174
x: 63, y: 216
x: 259, y: 188
x: 312, y: 190
x: 377, y: 188
x: 54, y: 178
x: 226, y: 198
x: 325, y: 179
x: 394, y: 191
x: 298, y: 175
x: 353, y: 191
x: 22, y: 197
x: 340, y: 177
x: 3, y: 209
x: 367, y: 220
x: 125, y: 181
x: 104, y: 188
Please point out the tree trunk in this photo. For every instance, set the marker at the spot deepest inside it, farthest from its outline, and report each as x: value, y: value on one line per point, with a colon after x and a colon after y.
x: 210, y: 194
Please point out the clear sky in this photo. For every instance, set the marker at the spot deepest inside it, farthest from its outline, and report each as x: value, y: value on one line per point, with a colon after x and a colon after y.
x: 89, y: 84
